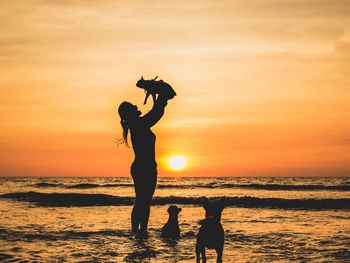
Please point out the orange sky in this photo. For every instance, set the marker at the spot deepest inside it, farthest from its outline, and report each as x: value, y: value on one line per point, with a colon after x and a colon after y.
x: 263, y: 86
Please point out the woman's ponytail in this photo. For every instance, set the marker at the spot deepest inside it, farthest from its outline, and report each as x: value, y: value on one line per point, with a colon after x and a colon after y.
x: 126, y: 128
x: 123, y: 111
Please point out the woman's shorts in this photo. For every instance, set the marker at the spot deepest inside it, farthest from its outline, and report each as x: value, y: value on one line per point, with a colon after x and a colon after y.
x: 145, y: 180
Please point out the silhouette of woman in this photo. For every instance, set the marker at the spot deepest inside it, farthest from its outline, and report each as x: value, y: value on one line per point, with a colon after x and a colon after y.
x: 144, y: 167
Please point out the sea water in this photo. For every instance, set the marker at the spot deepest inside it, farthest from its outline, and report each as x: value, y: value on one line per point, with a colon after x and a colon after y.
x: 88, y: 219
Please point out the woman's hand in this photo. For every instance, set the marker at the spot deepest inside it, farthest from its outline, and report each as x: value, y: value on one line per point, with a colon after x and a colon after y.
x: 162, y: 99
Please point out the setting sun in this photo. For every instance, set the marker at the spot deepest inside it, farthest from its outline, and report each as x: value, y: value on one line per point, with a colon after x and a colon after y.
x: 177, y: 163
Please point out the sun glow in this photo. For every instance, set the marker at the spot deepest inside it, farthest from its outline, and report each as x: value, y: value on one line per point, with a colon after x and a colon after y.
x: 177, y: 163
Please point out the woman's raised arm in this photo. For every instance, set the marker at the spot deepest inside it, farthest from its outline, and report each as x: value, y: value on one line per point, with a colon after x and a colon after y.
x: 157, y: 111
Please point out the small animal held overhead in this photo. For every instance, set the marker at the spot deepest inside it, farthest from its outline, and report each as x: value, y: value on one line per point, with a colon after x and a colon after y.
x: 171, y: 229
x: 153, y: 87
x: 211, y: 232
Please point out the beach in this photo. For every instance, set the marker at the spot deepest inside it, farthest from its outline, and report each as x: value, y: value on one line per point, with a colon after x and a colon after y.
x: 88, y: 219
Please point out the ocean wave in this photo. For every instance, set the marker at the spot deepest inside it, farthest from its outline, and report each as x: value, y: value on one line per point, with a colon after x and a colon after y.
x: 79, y: 199
x: 44, y: 185
x: 87, y: 186
x: 269, y: 187
x: 79, y: 186
x: 288, y: 187
x: 15, y: 235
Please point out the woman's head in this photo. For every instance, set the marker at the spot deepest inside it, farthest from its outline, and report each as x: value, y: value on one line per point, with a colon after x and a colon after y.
x: 127, y: 112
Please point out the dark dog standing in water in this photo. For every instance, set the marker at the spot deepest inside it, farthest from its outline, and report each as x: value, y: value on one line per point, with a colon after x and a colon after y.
x: 211, y: 232
x: 171, y: 228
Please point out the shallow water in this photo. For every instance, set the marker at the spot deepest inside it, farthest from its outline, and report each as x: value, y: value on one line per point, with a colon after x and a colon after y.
x: 46, y: 232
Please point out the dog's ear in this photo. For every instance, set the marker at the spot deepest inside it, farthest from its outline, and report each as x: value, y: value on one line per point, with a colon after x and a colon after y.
x: 142, y: 77
x: 205, y: 202
x: 222, y: 202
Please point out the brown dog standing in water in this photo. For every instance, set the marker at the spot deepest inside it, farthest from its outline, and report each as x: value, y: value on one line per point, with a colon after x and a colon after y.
x: 211, y: 232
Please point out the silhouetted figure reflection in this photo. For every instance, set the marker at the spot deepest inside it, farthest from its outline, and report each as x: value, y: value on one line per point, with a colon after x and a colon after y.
x: 144, y: 167
x: 143, y: 251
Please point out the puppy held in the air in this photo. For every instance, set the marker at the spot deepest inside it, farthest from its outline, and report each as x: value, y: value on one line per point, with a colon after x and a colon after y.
x: 211, y: 232
x: 171, y: 228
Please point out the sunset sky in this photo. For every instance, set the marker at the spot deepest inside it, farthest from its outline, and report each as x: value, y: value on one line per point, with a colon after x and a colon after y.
x: 263, y: 85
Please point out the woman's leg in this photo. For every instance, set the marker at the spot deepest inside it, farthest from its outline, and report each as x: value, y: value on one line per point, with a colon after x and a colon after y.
x: 140, y: 212
x: 135, y: 213
x: 135, y: 219
x: 145, y: 184
x: 147, y: 194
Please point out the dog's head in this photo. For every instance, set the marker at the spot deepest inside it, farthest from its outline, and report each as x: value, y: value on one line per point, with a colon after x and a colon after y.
x: 213, y: 209
x: 173, y: 211
x: 141, y: 83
